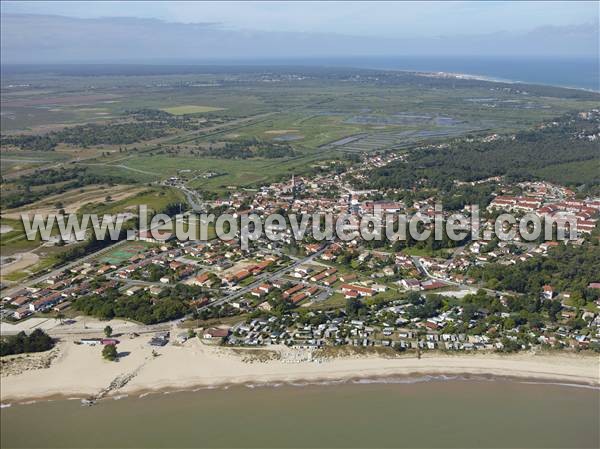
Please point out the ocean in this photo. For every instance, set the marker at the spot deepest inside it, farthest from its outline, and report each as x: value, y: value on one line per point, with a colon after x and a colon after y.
x: 438, y: 413
x: 581, y: 73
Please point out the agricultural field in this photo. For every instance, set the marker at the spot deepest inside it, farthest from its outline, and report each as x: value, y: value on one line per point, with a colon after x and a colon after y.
x: 190, y: 109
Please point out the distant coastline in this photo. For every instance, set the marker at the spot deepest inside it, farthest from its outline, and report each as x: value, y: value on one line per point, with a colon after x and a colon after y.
x: 570, y: 73
x: 470, y: 76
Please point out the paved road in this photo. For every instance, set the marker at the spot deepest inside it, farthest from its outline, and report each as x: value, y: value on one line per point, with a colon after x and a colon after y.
x: 124, y: 167
x: 422, y: 269
x: 56, y: 271
x: 143, y: 329
x: 66, y: 331
x: 269, y: 276
x: 192, y: 198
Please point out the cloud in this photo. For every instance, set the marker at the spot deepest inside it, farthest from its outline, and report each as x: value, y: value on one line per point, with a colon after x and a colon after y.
x: 27, y: 38
x: 362, y: 18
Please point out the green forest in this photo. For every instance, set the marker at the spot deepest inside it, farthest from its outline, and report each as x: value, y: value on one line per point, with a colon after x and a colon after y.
x: 518, y: 157
x: 142, y: 307
x: 568, y: 268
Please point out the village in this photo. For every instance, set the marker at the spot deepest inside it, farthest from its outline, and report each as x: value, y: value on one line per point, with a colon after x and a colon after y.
x: 303, y: 288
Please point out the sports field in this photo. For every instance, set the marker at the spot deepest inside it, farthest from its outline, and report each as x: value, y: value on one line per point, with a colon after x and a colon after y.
x: 124, y: 253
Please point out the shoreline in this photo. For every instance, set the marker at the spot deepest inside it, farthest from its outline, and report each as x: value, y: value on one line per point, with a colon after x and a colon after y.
x: 80, y: 372
x: 493, y: 79
x: 412, y: 378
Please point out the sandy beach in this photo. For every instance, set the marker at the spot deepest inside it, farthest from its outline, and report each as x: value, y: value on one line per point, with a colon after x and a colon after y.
x: 80, y: 371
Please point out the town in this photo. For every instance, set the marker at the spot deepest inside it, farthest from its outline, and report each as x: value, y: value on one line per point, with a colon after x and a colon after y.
x: 310, y: 294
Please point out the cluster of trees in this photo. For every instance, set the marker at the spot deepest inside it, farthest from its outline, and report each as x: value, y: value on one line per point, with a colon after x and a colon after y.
x: 56, y: 181
x: 355, y: 308
x: 37, y: 341
x: 30, y: 142
x: 221, y: 311
x: 516, y: 158
x: 567, y: 268
x: 457, y: 197
x: 424, y: 307
x: 91, y: 134
x: 249, y: 148
x: 154, y: 272
x: 163, y: 119
x: 112, y: 134
x: 142, y: 307
x: 148, y: 124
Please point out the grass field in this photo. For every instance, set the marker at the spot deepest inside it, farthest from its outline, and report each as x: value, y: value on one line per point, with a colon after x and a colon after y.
x: 190, y: 109
x: 155, y: 198
x: 315, y: 129
x: 233, y: 172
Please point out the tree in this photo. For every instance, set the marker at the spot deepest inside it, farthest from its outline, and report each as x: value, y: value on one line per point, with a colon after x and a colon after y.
x: 108, y: 331
x: 109, y: 352
x: 353, y: 307
x: 37, y: 341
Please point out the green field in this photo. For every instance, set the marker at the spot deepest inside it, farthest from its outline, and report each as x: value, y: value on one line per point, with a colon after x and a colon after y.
x: 190, y: 109
x: 155, y: 198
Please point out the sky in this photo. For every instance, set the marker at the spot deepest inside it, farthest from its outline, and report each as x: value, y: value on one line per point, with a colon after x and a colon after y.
x: 380, y: 19
x: 46, y: 31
